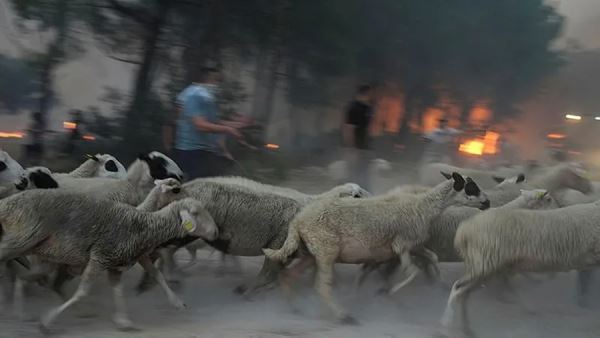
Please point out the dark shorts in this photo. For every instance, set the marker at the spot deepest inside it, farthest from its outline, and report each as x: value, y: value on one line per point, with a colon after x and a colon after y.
x: 202, y: 163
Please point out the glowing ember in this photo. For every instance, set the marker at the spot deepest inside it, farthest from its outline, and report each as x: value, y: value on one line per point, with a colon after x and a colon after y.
x: 89, y: 137
x: 13, y: 134
x: 271, y: 146
x: 473, y: 147
x: 69, y: 125
x: 555, y: 136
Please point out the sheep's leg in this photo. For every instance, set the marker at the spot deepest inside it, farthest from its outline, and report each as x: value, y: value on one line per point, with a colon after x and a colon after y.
x: 167, y: 256
x: 460, y: 291
x: 268, y: 275
x: 146, y: 263
x: 365, y: 271
x: 432, y: 262
x: 91, y: 271
x: 293, y: 272
x: 120, y: 318
x: 19, y: 299
x: 62, y: 276
x: 324, y: 284
x: 147, y: 282
x: 584, y: 278
x: 193, y: 252
x: 409, y: 269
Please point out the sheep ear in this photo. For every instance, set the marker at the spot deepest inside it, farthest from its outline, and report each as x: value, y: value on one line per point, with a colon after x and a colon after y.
x: 446, y: 175
x: 521, y: 178
x: 498, y: 179
x: 459, y: 181
x: 144, y: 157
x: 187, y: 221
x: 92, y: 157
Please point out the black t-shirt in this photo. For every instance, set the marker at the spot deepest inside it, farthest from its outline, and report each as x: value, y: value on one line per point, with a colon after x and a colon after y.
x: 359, y: 115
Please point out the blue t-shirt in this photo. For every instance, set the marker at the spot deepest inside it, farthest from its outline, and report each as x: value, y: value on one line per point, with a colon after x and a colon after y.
x: 196, y: 101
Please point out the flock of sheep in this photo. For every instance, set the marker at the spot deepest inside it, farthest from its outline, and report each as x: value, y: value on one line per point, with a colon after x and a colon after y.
x: 102, y: 217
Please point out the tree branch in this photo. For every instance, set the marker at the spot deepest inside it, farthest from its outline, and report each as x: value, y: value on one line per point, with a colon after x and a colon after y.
x: 137, y: 14
x: 135, y: 62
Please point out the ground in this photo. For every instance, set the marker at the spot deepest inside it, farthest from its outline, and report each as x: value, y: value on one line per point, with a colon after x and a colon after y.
x: 215, y: 311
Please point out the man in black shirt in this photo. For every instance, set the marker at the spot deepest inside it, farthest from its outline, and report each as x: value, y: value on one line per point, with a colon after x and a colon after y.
x: 356, y: 134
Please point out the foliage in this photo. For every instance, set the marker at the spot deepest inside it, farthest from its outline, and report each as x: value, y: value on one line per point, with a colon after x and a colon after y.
x: 17, y: 85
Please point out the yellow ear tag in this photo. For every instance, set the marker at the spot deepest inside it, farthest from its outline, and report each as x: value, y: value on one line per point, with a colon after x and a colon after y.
x: 188, y: 225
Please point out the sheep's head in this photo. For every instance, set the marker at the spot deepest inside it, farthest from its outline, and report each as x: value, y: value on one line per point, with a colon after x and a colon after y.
x: 10, y: 170
x: 538, y: 199
x: 36, y: 178
x: 197, y: 221
x: 352, y: 190
x: 161, y: 166
x: 575, y: 177
x: 165, y: 192
x: 468, y: 192
x: 110, y: 167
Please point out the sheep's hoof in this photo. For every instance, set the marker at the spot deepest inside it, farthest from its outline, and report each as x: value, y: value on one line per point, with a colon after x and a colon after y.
x: 349, y: 320
x: 125, y: 325
x: 44, y: 329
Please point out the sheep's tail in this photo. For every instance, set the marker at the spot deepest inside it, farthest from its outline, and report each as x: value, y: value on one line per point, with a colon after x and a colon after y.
x: 291, y: 244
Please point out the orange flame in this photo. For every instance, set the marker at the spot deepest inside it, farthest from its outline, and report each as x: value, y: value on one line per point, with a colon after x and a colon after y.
x: 488, y: 145
x: 490, y: 141
x: 13, y: 134
x: 556, y: 136
x: 69, y: 125
x: 89, y: 137
x: 272, y: 146
x: 473, y: 147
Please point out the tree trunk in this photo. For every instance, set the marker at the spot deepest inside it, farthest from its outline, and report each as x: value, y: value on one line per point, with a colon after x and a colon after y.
x: 143, y: 78
x: 279, y: 49
x: 51, y: 60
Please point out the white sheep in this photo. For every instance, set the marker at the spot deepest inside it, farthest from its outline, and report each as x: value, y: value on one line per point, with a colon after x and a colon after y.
x: 99, y: 235
x: 373, y: 229
x: 504, y: 242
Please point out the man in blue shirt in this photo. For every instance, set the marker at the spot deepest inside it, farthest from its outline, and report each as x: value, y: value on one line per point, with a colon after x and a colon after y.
x: 199, y: 131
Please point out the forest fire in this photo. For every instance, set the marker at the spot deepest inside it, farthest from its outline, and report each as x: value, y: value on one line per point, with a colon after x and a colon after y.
x: 487, y: 145
x: 13, y: 134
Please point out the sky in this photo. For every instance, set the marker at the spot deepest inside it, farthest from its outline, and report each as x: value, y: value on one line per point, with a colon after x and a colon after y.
x: 82, y: 81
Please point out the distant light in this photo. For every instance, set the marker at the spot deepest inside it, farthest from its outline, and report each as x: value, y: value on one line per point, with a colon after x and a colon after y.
x: 11, y: 134
x: 272, y: 146
x: 597, y: 118
x: 69, y: 125
x: 556, y: 136
x: 573, y: 117
x: 89, y: 137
